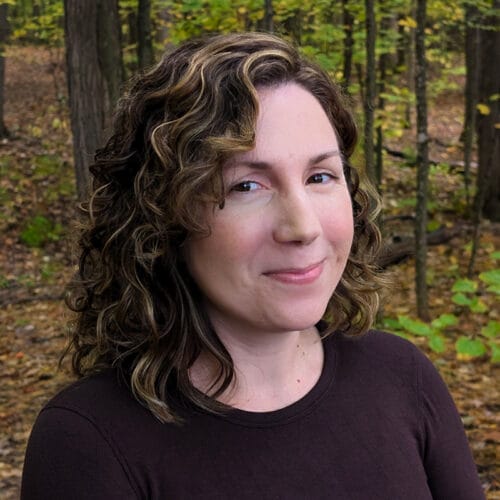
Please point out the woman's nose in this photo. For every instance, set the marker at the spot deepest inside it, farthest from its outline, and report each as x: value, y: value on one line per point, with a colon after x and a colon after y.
x: 298, y: 220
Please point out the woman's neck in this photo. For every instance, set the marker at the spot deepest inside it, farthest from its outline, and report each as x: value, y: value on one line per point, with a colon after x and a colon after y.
x: 272, y: 371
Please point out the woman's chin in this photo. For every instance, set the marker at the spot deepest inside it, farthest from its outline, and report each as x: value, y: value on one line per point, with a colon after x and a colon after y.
x: 297, y: 319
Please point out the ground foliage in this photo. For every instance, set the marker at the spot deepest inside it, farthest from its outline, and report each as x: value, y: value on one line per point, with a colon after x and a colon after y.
x: 38, y: 197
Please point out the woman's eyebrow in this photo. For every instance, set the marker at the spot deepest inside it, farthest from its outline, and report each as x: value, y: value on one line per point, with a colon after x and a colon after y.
x: 264, y: 165
x: 259, y: 165
x: 324, y: 156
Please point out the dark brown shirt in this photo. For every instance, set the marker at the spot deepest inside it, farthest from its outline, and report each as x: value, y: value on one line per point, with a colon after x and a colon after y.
x: 379, y: 424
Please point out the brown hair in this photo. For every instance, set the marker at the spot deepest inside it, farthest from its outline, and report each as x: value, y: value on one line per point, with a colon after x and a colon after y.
x: 138, y: 309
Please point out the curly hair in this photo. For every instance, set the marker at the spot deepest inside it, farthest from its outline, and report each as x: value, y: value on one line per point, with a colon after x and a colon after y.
x: 137, y: 308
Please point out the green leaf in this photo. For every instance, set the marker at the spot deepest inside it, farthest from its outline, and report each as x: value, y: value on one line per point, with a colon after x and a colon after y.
x: 471, y: 347
x: 444, y: 321
x: 415, y: 326
x: 39, y: 230
x: 491, y: 330
x: 433, y: 225
x: 495, y: 352
x: 464, y: 285
x: 36, y: 230
x: 495, y: 255
x: 491, y: 277
x: 478, y: 306
x: 461, y: 299
x: 494, y: 289
x: 436, y: 343
x: 458, y: 70
x: 391, y: 324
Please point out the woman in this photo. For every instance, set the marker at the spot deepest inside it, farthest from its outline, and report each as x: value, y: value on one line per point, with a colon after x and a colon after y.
x: 225, y: 292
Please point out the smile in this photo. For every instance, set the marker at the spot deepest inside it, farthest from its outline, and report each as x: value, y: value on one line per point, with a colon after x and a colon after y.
x: 298, y: 276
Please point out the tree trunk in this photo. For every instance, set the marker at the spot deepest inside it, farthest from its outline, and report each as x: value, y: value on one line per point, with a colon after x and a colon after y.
x: 487, y: 122
x: 422, y: 164
x: 361, y: 79
x: 132, y: 27
x: 487, y: 200
x: 110, y: 48
x: 162, y: 30
x: 36, y: 10
x: 382, y: 66
x: 93, y: 62
x: 348, y: 24
x: 410, y: 68
x: 268, y: 16
x: 145, y: 55
x: 370, y: 92
x: 471, y: 86
x: 401, y: 50
x: 4, y: 31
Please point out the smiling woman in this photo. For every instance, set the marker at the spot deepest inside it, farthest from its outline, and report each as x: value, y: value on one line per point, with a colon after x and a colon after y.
x: 225, y: 295
x: 278, y: 248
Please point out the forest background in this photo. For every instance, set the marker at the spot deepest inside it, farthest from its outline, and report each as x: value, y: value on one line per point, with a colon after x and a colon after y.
x: 424, y: 81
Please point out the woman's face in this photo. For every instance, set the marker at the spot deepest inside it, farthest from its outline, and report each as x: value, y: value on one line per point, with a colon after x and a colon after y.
x: 278, y: 248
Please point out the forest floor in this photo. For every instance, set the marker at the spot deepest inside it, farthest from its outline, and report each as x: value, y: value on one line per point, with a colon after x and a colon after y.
x: 38, y: 200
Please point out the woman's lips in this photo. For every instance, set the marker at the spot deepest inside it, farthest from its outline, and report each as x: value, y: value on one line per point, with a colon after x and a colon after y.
x: 297, y: 276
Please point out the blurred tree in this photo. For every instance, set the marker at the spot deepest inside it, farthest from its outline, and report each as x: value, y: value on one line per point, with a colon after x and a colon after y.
x: 422, y: 164
x: 487, y: 199
x: 488, y: 122
x: 94, y: 72
x: 383, y: 63
x: 268, y: 21
x: 403, y: 43
x: 4, y: 31
x: 348, y: 27
x: 410, y: 65
x: 163, y: 21
x: 471, y: 19
x: 144, y: 34
x: 132, y: 35
x: 370, y: 92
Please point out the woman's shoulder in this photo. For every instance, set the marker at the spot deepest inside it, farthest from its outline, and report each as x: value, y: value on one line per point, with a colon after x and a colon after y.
x: 378, y: 345
x: 74, y: 449
x: 382, y: 356
x: 99, y: 399
x: 105, y: 387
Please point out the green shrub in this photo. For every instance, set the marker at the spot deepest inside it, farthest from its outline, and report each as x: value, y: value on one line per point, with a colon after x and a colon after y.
x: 467, y: 294
x: 39, y: 230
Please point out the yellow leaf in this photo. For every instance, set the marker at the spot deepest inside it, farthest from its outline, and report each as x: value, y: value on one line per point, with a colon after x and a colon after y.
x: 408, y: 22
x: 242, y: 10
x: 36, y: 131
x: 497, y: 125
x: 484, y: 109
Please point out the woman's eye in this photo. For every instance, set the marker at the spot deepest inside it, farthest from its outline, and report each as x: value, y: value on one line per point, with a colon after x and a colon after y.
x: 319, y: 178
x: 246, y: 186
